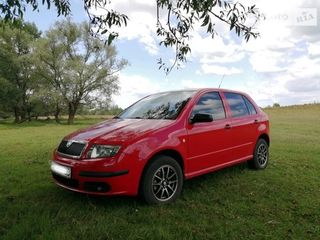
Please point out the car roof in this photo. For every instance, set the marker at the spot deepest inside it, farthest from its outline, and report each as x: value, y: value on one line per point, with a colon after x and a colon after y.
x: 198, y: 90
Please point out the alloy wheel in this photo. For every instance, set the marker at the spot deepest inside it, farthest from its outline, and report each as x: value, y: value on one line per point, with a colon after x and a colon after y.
x: 164, y: 183
x: 262, y: 154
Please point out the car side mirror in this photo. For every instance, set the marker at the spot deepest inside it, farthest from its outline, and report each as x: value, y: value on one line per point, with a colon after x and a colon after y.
x: 201, y: 117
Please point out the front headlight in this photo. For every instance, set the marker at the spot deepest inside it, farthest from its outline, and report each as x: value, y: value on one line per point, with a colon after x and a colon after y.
x: 101, y: 151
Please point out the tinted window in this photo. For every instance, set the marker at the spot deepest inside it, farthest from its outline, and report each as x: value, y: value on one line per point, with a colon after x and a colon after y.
x: 210, y: 103
x: 165, y: 105
x: 250, y: 106
x: 237, y: 104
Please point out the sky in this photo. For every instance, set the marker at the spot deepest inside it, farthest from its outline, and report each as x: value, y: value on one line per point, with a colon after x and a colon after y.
x: 281, y: 66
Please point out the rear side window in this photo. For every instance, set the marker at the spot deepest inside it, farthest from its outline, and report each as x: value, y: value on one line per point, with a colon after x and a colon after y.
x: 237, y: 104
x: 210, y: 103
x: 250, y: 106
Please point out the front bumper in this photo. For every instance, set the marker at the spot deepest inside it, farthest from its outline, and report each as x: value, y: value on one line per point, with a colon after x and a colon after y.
x: 97, y: 177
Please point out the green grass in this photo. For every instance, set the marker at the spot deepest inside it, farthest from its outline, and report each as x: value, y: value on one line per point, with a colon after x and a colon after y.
x: 281, y: 202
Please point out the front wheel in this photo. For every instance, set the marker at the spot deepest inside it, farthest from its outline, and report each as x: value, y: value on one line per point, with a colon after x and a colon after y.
x: 162, y: 181
x: 260, y: 155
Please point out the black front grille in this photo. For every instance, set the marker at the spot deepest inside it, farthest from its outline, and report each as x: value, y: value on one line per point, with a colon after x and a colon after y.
x: 66, y: 181
x: 74, y: 149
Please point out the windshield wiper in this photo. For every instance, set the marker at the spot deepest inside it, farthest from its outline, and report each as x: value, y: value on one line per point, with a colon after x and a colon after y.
x: 143, y: 118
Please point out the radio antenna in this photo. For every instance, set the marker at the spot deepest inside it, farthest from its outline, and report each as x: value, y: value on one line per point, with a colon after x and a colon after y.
x: 221, y: 80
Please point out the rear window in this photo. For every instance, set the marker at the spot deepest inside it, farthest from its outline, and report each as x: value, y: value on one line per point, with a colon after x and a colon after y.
x: 237, y: 104
x: 250, y: 106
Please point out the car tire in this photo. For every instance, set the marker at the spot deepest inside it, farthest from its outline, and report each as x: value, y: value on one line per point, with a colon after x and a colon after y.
x: 162, y: 181
x: 260, y: 156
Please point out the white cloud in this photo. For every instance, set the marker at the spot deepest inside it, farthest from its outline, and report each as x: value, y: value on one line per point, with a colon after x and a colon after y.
x: 304, y: 67
x: 211, y: 53
x: 225, y: 58
x: 304, y: 86
x: 133, y: 88
x: 286, y: 57
x: 142, y: 22
x: 219, y: 70
x: 191, y: 84
x: 217, y: 50
x: 267, y: 61
x: 314, y: 49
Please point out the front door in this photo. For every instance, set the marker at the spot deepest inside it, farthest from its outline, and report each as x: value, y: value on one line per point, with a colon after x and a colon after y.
x: 209, y: 142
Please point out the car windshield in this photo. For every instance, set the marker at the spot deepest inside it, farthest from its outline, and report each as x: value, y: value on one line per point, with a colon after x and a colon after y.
x: 165, y: 105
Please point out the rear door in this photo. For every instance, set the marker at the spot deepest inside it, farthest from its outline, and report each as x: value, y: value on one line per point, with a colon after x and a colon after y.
x: 209, y: 142
x: 244, y: 125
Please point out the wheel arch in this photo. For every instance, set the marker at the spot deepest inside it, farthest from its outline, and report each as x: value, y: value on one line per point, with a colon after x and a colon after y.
x: 165, y: 152
x: 265, y: 137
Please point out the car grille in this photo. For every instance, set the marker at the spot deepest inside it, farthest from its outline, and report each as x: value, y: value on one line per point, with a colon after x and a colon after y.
x: 74, y: 150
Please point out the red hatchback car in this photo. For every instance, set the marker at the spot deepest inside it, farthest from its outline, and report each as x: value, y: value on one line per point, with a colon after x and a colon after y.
x: 161, y: 140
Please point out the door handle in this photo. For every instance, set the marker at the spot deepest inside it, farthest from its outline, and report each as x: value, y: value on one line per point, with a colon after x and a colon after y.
x: 227, y: 126
x: 256, y: 121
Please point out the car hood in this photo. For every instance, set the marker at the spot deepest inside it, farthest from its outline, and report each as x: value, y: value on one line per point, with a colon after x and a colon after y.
x: 119, y: 130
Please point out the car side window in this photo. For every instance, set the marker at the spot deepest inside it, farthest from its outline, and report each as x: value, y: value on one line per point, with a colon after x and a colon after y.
x: 210, y: 103
x: 251, y: 108
x: 237, y: 104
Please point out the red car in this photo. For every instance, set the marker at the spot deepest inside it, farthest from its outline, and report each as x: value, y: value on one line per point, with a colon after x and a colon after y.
x: 161, y: 140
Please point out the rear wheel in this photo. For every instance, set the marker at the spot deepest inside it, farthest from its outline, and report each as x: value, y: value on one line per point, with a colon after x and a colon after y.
x: 162, y: 181
x: 260, y: 156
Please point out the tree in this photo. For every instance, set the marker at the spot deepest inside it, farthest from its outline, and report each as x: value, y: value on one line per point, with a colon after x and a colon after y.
x: 16, y: 68
x: 7, y: 90
x: 276, y: 105
x: 77, y: 67
x: 174, y: 25
x: 46, y: 101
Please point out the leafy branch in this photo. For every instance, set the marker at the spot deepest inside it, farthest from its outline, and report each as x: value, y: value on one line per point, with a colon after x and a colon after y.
x: 182, y: 15
x: 176, y: 19
x: 101, y: 24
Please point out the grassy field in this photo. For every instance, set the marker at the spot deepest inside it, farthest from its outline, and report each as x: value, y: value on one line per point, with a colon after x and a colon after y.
x: 281, y: 202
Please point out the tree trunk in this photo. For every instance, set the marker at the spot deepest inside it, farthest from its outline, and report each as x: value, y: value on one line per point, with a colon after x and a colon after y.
x: 24, y: 107
x: 70, y: 118
x: 16, y: 115
x: 57, y: 113
x: 23, y: 114
x: 72, y: 107
x: 29, y: 113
